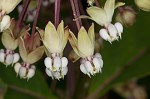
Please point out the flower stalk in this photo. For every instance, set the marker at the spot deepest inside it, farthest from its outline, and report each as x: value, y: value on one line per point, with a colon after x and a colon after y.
x: 76, y: 13
x: 57, y: 12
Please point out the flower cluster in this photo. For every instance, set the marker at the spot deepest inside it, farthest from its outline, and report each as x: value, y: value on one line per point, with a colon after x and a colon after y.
x: 54, y: 38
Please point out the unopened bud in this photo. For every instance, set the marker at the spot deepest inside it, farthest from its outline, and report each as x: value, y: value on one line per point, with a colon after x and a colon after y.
x: 126, y: 15
x: 143, y: 4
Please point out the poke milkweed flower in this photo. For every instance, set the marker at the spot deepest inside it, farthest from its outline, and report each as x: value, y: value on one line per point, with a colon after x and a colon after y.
x: 31, y: 51
x: 103, y: 17
x: 84, y: 48
x: 9, y: 39
x: 6, y: 6
x: 55, y: 42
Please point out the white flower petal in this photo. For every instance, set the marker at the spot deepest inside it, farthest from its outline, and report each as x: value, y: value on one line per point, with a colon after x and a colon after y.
x: 57, y: 75
x: 101, y: 61
x: 57, y: 63
x: 31, y: 73
x: 88, y: 67
x: 48, y: 62
x: 16, y: 57
x: 2, y: 57
x: 112, y: 31
x: 17, y: 67
x: 97, y: 64
x: 64, y: 71
x: 22, y: 72
x: 49, y: 73
x: 98, y: 55
x: 119, y: 28
x: 64, y: 61
x: 9, y: 59
x: 104, y: 34
x: 82, y: 68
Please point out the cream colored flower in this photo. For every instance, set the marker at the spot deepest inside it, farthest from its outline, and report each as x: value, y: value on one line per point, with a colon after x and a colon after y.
x: 103, y: 17
x: 84, y: 48
x: 55, y: 42
x: 31, y: 51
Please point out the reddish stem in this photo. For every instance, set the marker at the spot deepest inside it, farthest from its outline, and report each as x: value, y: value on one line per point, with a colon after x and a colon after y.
x: 21, y: 16
x: 35, y: 19
x: 75, y: 14
x: 57, y: 12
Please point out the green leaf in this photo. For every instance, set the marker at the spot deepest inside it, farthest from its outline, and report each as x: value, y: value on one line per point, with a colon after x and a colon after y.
x: 36, y: 86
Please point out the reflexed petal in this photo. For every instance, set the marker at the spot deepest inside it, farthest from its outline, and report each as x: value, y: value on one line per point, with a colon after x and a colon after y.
x: 84, y: 44
x: 35, y: 55
x: 73, y: 56
x: 9, y: 5
x: 65, y: 39
x: 8, y: 41
x: 82, y: 68
x: 9, y: 59
x: 5, y: 23
x: 22, y: 72
x: 98, y: 15
x: 64, y: 61
x: 118, y: 4
x: 41, y: 32
x: 104, y: 34
x: 57, y: 63
x: 51, y: 39
x: 73, y: 41
x: 17, y: 67
x: 22, y: 50
x: 91, y: 34
x: 109, y: 9
x: 48, y: 62
x: 60, y: 31
x: 16, y: 57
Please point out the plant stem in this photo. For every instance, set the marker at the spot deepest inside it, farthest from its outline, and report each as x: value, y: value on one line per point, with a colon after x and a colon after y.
x: 57, y: 12
x: 35, y: 19
x: 94, y: 95
x: 21, y: 16
x: 75, y: 14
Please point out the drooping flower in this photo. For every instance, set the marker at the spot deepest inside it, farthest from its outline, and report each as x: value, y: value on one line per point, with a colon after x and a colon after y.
x: 103, y: 17
x: 31, y: 51
x: 6, y: 6
x: 84, y: 48
x: 55, y: 42
x: 10, y: 41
